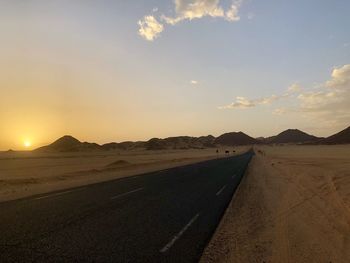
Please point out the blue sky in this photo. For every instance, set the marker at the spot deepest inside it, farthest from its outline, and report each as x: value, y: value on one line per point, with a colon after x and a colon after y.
x: 83, y: 68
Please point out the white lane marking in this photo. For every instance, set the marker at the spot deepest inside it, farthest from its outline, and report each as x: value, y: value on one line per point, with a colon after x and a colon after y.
x: 130, y: 192
x: 178, y: 235
x: 57, y: 194
x: 220, y: 191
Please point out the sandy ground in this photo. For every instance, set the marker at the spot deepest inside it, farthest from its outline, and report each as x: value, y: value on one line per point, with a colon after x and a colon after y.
x: 293, y: 205
x: 27, y: 173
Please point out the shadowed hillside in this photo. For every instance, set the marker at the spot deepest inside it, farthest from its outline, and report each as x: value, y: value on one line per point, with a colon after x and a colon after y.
x: 181, y: 142
x: 292, y: 136
x: 235, y: 138
x: 128, y: 145
x: 342, y: 137
x: 68, y: 143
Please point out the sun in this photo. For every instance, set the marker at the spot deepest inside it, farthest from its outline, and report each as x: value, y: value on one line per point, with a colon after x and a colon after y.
x: 27, y: 143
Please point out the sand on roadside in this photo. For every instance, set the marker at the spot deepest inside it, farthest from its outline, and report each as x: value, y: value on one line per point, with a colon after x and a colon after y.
x: 28, y: 173
x: 293, y: 205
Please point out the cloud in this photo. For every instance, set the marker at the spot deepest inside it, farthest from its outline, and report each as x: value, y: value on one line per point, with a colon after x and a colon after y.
x: 232, y: 13
x: 279, y: 111
x: 244, y: 103
x: 194, y: 82
x: 150, y: 28
x: 340, y: 77
x: 330, y: 103
x: 188, y: 10
x: 195, y: 9
x: 333, y: 95
x: 327, y: 104
x: 240, y: 103
x: 294, y: 88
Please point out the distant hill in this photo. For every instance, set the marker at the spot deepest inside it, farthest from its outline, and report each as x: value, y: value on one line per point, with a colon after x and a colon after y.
x: 128, y: 145
x: 180, y: 142
x: 292, y: 136
x: 260, y: 139
x: 342, y: 137
x: 235, y: 138
x: 68, y: 143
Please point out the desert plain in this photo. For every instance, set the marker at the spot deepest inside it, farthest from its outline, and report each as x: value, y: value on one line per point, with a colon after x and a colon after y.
x: 28, y: 173
x: 293, y: 205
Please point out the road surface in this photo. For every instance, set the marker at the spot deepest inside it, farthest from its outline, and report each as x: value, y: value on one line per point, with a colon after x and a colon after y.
x: 164, y: 216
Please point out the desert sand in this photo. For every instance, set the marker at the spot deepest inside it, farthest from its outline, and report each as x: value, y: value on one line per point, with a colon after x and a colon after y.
x: 28, y: 173
x: 293, y: 205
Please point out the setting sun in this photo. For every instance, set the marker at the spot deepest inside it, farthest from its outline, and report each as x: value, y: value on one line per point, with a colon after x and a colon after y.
x: 27, y: 144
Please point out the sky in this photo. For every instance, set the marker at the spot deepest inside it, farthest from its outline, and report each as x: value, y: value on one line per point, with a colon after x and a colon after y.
x: 108, y: 70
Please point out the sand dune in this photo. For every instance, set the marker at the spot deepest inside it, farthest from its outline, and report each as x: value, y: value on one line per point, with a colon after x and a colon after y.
x: 292, y: 206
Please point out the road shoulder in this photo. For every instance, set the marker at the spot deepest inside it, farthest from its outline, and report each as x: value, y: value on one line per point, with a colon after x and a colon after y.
x: 287, y: 210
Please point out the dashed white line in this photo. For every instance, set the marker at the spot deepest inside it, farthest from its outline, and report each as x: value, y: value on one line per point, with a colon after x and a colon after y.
x: 220, y: 191
x: 178, y: 235
x: 57, y: 194
x: 130, y: 192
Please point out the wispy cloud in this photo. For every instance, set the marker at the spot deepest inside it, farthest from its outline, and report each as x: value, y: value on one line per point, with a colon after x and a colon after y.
x: 240, y: 103
x: 294, y: 88
x: 245, y: 103
x: 328, y: 103
x: 150, y: 27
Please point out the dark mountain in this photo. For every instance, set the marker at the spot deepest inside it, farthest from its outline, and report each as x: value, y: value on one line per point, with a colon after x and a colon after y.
x: 68, y: 143
x: 180, y: 142
x: 260, y: 139
x: 235, y: 138
x: 110, y: 146
x: 269, y: 139
x: 292, y: 136
x: 342, y: 137
x: 128, y: 145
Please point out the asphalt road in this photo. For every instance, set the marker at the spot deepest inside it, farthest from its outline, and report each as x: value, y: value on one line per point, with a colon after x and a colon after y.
x: 165, y: 216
